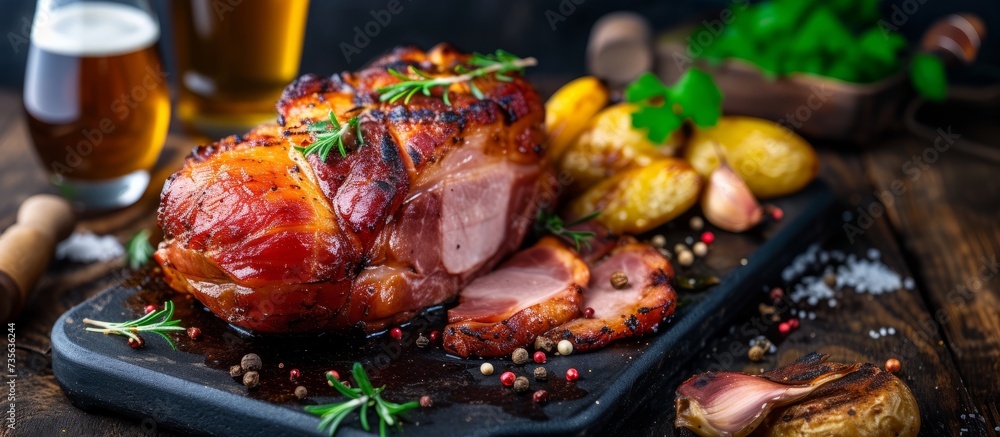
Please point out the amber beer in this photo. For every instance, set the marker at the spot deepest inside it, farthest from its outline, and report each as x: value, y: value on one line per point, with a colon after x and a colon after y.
x: 235, y: 57
x: 97, y: 100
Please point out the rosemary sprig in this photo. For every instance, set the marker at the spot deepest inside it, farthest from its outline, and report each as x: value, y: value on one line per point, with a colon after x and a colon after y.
x: 331, y: 133
x: 364, y: 396
x: 138, y: 250
x: 157, y: 322
x: 550, y: 222
x: 498, y: 64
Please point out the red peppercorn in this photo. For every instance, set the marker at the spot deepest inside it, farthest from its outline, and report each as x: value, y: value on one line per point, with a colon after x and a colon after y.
x: 294, y: 374
x: 540, y: 396
x: 588, y: 313
x: 572, y: 374
x: 434, y: 336
x: 539, y: 357
x: 793, y: 323
x: 776, y: 294
x: 136, y: 342
x: 707, y: 237
x: 150, y: 308
x: 332, y: 373
x: 893, y: 365
x: 396, y: 333
x: 777, y: 213
x: 507, y: 378
x: 784, y: 328
x: 194, y: 333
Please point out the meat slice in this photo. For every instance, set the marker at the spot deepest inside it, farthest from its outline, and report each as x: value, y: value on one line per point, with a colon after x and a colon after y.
x: 537, y: 289
x: 638, y: 309
x: 430, y: 197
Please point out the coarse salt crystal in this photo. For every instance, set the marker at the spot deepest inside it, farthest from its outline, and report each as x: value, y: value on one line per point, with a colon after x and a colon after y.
x: 87, y: 247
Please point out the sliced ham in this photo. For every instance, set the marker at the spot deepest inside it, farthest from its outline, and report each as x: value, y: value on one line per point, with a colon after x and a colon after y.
x: 638, y: 309
x: 537, y: 289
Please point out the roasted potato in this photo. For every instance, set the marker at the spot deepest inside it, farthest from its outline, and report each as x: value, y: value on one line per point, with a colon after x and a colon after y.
x: 869, y: 402
x: 641, y: 198
x: 570, y: 109
x: 609, y: 145
x: 773, y: 160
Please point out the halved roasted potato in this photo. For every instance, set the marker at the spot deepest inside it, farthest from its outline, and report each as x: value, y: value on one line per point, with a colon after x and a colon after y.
x: 609, y: 145
x: 641, y: 198
x: 773, y: 160
x: 570, y: 109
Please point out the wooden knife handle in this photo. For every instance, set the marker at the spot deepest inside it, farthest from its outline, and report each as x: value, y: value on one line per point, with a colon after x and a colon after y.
x: 27, y: 247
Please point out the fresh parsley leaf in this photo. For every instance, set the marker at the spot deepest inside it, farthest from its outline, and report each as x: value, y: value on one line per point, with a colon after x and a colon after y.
x: 929, y: 78
x: 662, y: 110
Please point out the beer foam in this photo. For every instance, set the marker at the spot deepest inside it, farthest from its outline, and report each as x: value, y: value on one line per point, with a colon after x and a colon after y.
x: 95, y: 29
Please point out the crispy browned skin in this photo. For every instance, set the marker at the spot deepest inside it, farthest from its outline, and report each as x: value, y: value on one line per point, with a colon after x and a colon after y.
x: 276, y: 242
x: 498, y: 335
x: 648, y: 301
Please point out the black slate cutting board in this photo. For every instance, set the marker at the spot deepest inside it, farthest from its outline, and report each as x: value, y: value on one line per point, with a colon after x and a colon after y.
x: 190, y: 389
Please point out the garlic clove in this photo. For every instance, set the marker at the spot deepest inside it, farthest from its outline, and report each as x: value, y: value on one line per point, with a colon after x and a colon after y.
x: 734, y: 404
x: 727, y: 201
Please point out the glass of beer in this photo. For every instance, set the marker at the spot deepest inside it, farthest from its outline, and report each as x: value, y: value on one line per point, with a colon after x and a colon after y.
x: 96, y: 98
x: 235, y: 58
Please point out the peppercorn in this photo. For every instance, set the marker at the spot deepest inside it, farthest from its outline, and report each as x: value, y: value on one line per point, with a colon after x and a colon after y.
x: 294, y: 374
x: 426, y: 401
x: 776, y: 294
x: 346, y: 384
x: 830, y: 279
x: 301, y: 392
x: 893, y: 365
x: 793, y: 323
x: 696, y: 223
x: 251, y: 362
x: 434, y: 337
x: 396, y: 333
x: 572, y: 374
x: 521, y: 384
x: 679, y: 247
x: 708, y: 237
x: 658, y: 241
x: 194, y: 333
x: 251, y: 378
x: 136, y: 342
x: 235, y: 371
x: 540, y: 396
x: 149, y: 308
x: 756, y: 353
x: 784, y: 328
x: 619, y: 280
x: 777, y: 213
x: 700, y: 248
x: 685, y: 258
x: 539, y: 357
x: 544, y: 344
x: 332, y: 373
x: 507, y: 378
x: 423, y: 341
x: 588, y: 313
x: 565, y: 347
x: 486, y: 369
x: 520, y: 356
x: 541, y: 374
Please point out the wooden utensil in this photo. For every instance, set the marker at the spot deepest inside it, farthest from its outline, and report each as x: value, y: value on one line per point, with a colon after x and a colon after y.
x: 27, y: 247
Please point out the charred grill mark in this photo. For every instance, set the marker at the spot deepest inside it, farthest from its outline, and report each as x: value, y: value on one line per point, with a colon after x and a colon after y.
x: 390, y: 155
x: 632, y: 323
x: 414, y: 156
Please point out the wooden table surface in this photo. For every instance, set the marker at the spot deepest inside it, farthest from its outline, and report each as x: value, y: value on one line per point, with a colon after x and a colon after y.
x: 944, y: 231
